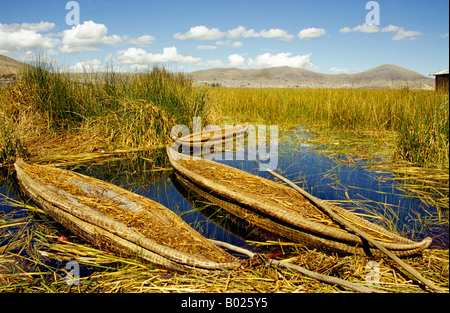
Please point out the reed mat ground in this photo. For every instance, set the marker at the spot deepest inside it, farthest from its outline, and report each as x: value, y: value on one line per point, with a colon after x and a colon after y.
x: 35, y: 252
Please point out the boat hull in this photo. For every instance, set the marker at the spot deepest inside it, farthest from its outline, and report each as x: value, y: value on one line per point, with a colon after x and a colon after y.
x: 320, y: 232
x: 118, y: 220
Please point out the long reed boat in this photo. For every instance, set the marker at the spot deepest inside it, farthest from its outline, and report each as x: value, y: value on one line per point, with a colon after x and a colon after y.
x: 213, y: 136
x: 284, y: 211
x: 118, y: 220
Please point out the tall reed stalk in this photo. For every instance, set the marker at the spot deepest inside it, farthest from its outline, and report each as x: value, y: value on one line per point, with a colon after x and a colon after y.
x: 95, y: 111
x: 420, y: 119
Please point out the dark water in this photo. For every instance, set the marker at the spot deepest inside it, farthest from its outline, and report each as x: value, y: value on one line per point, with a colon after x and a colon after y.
x: 326, y: 178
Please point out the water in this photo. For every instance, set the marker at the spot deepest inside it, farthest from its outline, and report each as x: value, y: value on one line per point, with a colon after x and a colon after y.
x: 325, y: 177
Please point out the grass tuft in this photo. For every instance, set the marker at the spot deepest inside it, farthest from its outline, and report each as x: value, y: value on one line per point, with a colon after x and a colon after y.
x: 49, y: 107
x: 418, y: 118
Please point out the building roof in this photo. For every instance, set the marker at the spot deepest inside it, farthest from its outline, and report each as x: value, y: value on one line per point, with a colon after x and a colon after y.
x: 443, y: 72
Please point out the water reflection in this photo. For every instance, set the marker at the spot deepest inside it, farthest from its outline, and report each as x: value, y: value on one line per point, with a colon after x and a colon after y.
x: 327, y: 178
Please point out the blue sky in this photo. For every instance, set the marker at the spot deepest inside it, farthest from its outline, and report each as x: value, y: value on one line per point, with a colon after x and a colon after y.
x: 323, y: 36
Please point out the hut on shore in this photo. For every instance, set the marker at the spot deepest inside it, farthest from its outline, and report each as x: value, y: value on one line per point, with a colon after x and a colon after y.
x: 441, y: 80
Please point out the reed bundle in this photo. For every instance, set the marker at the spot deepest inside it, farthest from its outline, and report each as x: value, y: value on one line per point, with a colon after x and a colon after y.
x: 118, y: 220
x: 34, y: 262
x: 48, y: 111
x: 291, y: 215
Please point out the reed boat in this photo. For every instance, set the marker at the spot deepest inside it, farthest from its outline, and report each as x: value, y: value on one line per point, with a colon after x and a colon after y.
x: 213, y: 136
x: 118, y: 220
x: 239, y: 228
x: 284, y: 211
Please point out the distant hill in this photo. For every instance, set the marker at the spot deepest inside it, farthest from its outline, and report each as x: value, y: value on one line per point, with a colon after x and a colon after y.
x: 384, y: 76
x: 9, y: 66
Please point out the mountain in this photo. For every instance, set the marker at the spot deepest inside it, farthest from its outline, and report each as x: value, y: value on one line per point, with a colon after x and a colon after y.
x: 9, y: 66
x: 384, y: 76
x: 390, y: 72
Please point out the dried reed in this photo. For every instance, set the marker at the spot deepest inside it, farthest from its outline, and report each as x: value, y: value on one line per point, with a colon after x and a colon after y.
x: 35, y: 262
x: 49, y: 111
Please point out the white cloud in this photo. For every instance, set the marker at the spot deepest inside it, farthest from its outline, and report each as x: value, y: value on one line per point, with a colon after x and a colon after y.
x: 140, y: 67
x: 223, y: 43
x: 391, y: 28
x: 205, y: 33
x: 206, y: 47
x: 406, y: 35
x: 200, y: 33
x: 401, y: 34
x: 276, y: 33
x: 143, y: 40
x: 444, y: 35
x: 169, y: 55
x: 236, y: 60
x: 364, y: 28
x: 35, y: 27
x: 14, y: 37
x: 213, y: 63
x: 87, y: 36
x: 310, y: 33
x: 229, y: 43
x: 241, y: 32
x: 281, y: 59
x: 94, y: 65
x: 339, y: 70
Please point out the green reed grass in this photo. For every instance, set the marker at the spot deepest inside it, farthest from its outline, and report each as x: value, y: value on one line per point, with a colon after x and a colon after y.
x: 107, y: 110
x: 419, y: 119
x: 10, y: 144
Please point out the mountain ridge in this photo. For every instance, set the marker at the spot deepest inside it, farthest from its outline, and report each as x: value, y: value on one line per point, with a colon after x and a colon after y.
x: 383, y: 76
x: 9, y: 65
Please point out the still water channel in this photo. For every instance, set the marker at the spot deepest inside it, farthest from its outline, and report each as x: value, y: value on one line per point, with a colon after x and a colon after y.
x: 355, y: 186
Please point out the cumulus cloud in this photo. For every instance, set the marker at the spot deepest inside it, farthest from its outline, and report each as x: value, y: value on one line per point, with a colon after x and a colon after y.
x: 212, y: 63
x: 400, y: 33
x: 35, y: 27
x: 310, y: 33
x: 406, y: 35
x: 339, y: 70
x: 273, y: 33
x: 241, y: 32
x: 391, y: 28
x: 94, y: 65
x: 236, y: 60
x: 229, y: 43
x: 281, y: 59
x: 205, y: 33
x: 87, y: 36
x: 14, y: 37
x: 364, y: 28
x: 200, y: 33
x: 143, y: 40
x: 206, y: 47
x: 141, y: 57
x: 276, y: 33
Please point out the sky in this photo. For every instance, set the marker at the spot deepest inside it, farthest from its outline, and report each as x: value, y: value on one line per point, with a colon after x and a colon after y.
x: 325, y: 36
